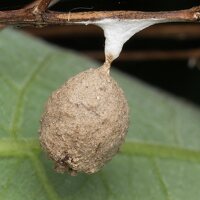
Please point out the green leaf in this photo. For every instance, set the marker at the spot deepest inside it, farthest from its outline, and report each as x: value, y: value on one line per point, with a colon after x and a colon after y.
x: 161, y: 156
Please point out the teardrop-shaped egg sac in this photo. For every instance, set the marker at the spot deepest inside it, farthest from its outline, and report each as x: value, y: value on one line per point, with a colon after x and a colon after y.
x: 85, y: 122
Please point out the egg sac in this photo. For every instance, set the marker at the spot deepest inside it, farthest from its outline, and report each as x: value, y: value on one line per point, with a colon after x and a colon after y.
x: 84, y: 122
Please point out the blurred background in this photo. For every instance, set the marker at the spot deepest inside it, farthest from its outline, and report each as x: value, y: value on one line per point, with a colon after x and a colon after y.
x: 166, y: 56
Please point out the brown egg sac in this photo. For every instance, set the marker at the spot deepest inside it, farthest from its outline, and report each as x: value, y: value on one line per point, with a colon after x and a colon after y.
x: 85, y: 122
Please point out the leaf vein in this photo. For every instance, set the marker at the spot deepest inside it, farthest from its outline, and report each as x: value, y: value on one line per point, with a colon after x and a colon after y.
x: 9, y: 179
x: 20, y: 101
x: 9, y: 83
x: 109, y: 192
x: 12, y: 148
x: 160, y: 178
x: 160, y: 150
x: 41, y: 173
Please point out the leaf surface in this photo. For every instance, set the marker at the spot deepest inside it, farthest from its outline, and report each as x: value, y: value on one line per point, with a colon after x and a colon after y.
x: 160, y: 159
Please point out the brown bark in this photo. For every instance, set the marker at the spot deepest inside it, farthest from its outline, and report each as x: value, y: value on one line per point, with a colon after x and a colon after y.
x: 39, y: 15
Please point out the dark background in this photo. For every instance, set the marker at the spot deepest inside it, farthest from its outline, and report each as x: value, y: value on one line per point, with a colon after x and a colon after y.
x: 178, y: 76
x: 147, y: 5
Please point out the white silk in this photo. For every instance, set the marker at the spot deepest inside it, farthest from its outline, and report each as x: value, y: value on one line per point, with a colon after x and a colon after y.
x: 117, y: 32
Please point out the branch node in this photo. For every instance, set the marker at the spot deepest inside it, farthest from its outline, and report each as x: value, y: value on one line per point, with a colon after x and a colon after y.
x: 36, y: 11
x: 197, y: 16
x: 41, y: 6
x: 68, y: 18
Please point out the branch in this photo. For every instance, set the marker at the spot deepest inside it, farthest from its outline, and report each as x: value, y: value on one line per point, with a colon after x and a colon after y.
x: 41, y: 6
x: 38, y: 6
x: 38, y: 15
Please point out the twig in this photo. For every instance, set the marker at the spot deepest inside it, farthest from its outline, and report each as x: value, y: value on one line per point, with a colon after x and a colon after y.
x: 41, y: 6
x: 37, y: 7
x: 40, y: 16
